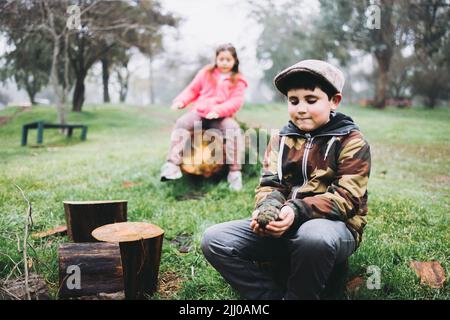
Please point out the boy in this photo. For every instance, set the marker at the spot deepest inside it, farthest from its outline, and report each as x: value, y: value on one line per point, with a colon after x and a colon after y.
x: 314, y: 186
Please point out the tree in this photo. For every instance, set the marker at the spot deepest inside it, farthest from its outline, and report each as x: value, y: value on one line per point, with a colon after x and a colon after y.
x: 371, y: 28
x: 399, y: 76
x: 112, y: 60
x: 28, y: 63
x: 44, y: 19
x: 339, y: 28
x: 430, y: 36
x: 120, y: 67
x: 102, y: 26
x: 110, y: 25
x: 283, y: 36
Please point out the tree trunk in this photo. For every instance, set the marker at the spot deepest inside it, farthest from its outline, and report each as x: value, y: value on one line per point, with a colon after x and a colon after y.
x: 123, y: 82
x: 382, y: 79
x: 140, y: 248
x: 105, y: 77
x: 430, y: 101
x: 385, y: 43
x: 78, y: 93
x: 58, y: 92
x: 100, y: 269
x: 123, y: 93
x: 152, y: 93
x: 83, y: 217
x: 31, y: 95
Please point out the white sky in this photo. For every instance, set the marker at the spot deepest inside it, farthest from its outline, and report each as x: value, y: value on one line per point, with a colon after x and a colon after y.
x: 207, y: 23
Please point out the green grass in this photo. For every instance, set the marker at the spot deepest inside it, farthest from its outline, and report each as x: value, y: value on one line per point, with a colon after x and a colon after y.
x: 409, y: 191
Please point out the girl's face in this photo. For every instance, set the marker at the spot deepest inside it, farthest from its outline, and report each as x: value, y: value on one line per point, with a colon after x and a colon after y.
x: 225, y: 61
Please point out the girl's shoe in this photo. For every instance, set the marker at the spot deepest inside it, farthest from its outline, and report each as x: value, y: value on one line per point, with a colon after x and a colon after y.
x: 170, y: 171
x: 235, y: 180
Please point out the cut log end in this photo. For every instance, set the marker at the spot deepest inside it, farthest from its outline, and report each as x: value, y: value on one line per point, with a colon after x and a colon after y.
x: 127, y: 232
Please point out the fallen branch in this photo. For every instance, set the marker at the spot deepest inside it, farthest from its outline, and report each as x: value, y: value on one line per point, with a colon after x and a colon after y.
x: 13, y: 269
x: 9, y: 293
x: 28, y: 222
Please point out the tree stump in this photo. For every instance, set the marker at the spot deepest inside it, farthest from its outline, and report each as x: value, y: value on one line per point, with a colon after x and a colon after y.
x: 87, y: 269
x: 83, y: 217
x: 140, y: 248
x: 206, y: 156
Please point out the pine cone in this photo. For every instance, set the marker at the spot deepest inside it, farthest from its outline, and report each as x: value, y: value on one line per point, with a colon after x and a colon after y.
x: 266, y: 214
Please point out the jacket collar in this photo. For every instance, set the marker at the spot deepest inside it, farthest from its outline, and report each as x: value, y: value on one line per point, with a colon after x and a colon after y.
x: 339, y: 125
x: 240, y: 77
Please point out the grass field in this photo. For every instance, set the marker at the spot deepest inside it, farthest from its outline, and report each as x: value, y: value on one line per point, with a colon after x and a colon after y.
x: 409, y: 192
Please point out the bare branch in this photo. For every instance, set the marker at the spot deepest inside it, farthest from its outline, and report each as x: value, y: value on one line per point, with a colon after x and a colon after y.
x: 28, y: 222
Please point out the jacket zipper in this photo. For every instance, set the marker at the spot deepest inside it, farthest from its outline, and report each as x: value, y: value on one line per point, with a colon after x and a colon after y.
x: 309, y: 140
x: 308, y: 145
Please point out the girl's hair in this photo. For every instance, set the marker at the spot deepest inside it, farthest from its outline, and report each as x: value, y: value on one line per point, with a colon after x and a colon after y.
x: 232, y: 50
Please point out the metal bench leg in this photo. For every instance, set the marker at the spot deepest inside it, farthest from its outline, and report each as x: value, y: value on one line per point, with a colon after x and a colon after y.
x: 24, y: 135
x: 84, y: 133
x: 40, y: 132
x: 69, y: 132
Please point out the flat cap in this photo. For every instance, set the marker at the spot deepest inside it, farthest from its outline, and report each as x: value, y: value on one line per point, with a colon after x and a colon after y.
x: 319, y: 68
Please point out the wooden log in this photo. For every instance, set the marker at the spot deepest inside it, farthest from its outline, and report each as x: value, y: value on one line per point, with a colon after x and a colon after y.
x: 98, y: 267
x: 83, y: 217
x: 206, y: 156
x: 140, y: 249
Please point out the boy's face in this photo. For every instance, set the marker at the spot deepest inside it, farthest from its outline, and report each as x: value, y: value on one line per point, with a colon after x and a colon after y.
x: 310, y: 110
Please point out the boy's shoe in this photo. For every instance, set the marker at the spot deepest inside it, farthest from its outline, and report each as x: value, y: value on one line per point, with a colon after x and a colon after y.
x: 235, y: 180
x: 170, y: 171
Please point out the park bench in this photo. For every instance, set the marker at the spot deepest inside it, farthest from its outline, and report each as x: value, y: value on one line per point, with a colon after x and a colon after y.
x: 41, y: 125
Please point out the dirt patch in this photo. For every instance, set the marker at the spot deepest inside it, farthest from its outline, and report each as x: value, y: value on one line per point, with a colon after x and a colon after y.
x: 169, y: 284
x: 442, y: 179
x: 6, y: 119
x: 183, y: 242
x: 190, y: 196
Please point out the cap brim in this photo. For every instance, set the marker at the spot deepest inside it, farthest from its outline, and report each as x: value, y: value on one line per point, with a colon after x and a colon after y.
x: 282, y: 80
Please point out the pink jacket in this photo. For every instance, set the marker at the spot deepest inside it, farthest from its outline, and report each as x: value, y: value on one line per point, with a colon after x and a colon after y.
x: 210, y: 94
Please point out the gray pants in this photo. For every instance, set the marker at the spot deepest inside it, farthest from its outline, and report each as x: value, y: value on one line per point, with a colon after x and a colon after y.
x: 235, y: 250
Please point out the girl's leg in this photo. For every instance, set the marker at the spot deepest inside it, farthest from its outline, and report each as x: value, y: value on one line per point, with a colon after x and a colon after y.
x: 180, y: 134
x: 233, y: 249
x: 315, y: 249
x: 234, y: 141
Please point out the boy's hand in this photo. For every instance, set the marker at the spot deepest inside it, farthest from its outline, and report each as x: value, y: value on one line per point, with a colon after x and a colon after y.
x: 212, y: 115
x: 176, y: 106
x: 277, y: 228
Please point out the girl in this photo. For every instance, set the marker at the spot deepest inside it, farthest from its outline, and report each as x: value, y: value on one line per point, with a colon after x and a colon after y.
x: 217, y: 93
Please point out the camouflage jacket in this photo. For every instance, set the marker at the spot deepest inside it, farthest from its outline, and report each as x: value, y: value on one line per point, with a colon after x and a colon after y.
x: 319, y: 174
